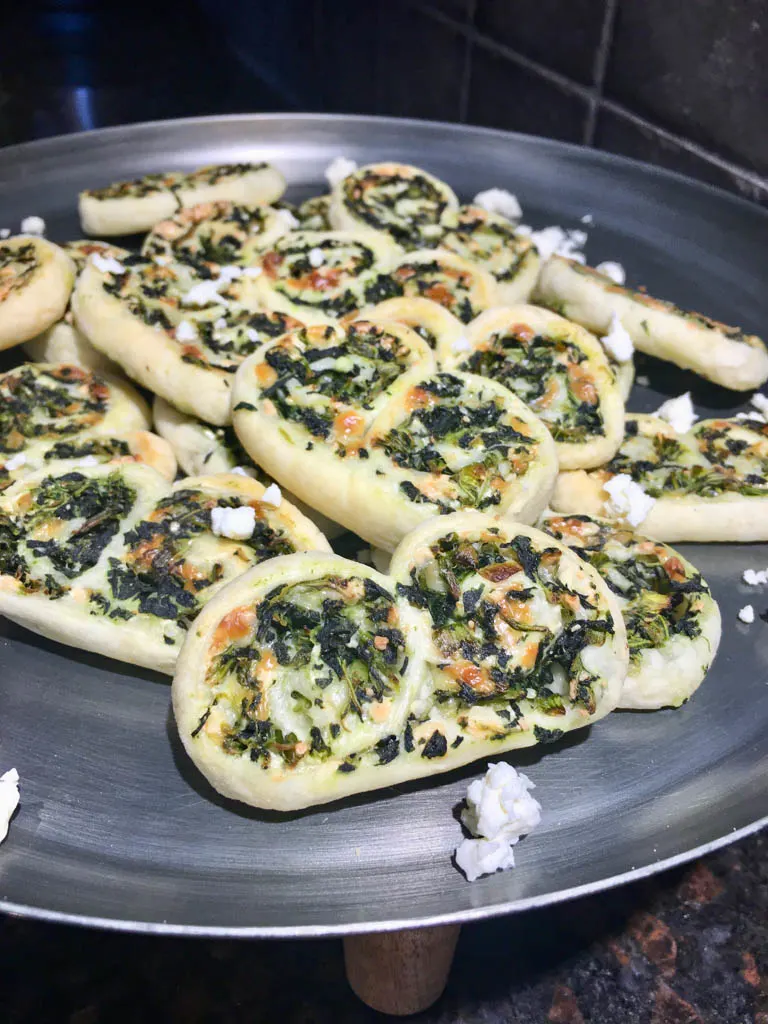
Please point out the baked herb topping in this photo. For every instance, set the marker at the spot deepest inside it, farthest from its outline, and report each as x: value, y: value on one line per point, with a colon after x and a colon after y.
x: 406, y: 204
x: 550, y: 374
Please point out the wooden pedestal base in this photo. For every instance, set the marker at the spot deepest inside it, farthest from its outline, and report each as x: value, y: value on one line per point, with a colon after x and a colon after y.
x: 400, y: 972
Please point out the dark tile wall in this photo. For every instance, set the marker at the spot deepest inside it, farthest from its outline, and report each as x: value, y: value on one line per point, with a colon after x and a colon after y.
x: 681, y: 83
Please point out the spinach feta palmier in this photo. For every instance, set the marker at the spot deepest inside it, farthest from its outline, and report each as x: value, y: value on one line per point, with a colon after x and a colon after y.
x: 201, y: 448
x: 451, y: 441
x: 710, y: 484
x: 295, y: 684
x: 490, y: 240
x: 555, y: 367
x: 431, y: 321
x: 725, y: 355
x: 314, y: 214
x: 220, y: 233
x: 396, y: 201
x: 42, y: 402
x: 672, y: 620
x: 176, y: 332
x: 463, y: 288
x: 88, y: 448
x: 62, y: 342
x: 126, y: 207
x: 109, y: 559
x: 321, y: 276
x: 526, y: 642
x: 36, y: 279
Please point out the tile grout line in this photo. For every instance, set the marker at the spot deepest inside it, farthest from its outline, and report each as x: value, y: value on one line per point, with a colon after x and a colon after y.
x: 749, y: 177
x: 466, y: 75
x: 600, y: 68
x: 590, y: 93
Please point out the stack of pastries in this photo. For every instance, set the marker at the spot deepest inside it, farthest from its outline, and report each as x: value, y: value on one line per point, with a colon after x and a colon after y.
x: 383, y: 360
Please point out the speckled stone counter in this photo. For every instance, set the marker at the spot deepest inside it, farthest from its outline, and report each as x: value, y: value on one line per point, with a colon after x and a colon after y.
x: 688, y: 947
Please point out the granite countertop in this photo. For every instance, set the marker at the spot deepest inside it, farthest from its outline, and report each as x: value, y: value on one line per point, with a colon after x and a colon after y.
x: 687, y: 947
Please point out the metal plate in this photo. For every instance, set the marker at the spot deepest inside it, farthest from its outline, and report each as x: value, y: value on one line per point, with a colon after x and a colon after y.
x: 117, y: 828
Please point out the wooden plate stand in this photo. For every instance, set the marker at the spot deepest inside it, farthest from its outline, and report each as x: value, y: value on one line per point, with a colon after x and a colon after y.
x: 400, y: 972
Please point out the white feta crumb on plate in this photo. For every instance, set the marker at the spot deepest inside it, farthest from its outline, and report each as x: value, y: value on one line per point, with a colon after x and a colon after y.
x: 587, y: 218
x: 5, y: 232
x: 272, y: 496
x: 478, y: 857
x: 252, y: 272
x: 33, y: 226
x: 289, y: 221
x: 15, y: 461
x: 756, y: 416
x: 234, y: 523
x: 499, y: 200
x: 747, y: 614
x: 9, y: 799
x: 88, y: 460
x: 556, y: 241
x: 755, y: 577
x: 316, y: 257
x: 338, y: 169
x: 204, y: 293
x: 627, y: 499
x: 760, y: 402
x: 609, y: 268
x: 499, y: 811
x: 243, y: 471
x: 618, y: 341
x: 643, y: 381
x: 185, y: 331
x: 461, y: 344
x: 107, y: 264
x: 678, y: 412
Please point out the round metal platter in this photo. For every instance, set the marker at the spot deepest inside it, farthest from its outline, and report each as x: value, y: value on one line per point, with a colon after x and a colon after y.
x: 117, y: 828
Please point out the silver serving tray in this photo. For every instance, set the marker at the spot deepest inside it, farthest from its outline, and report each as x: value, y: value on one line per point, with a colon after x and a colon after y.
x: 117, y: 828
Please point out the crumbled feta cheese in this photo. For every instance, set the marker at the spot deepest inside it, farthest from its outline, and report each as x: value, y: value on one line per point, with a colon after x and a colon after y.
x: 338, y: 169
x: 628, y: 500
x: 747, y: 614
x: 643, y: 381
x: 252, y: 335
x: 499, y: 811
x: 162, y: 261
x: 477, y: 857
x: 556, y: 241
x: 587, y: 219
x: 499, y: 200
x: 530, y: 693
x: 235, y: 523
x: 33, y: 226
x: 321, y: 365
x: 174, y: 527
x: 678, y: 412
x: 5, y: 232
x: 185, y: 331
x: 241, y: 471
x: 756, y: 416
x: 618, y: 341
x: 15, y: 462
x: 316, y: 257
x: 107, y: 264
x: 760, y: 402
x: 252, y: 272
x: 288, y: 219
x: 203, y: 293
x: 88, y: 460
x: 755, y: 577
x: 229, y: 273
x: 272, y: 496
x: 219, y: 325
x: 613, y: 270
x: 461, y: 344
x: 9, y: 799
